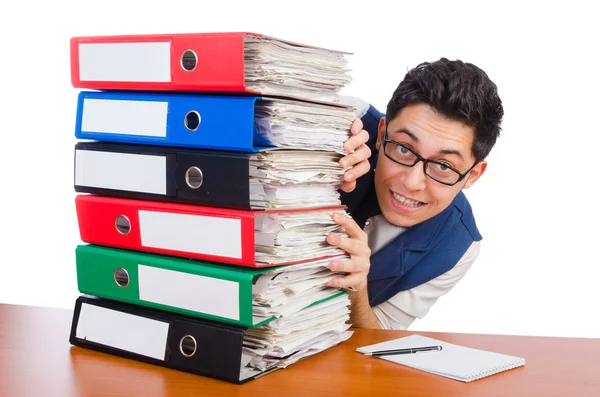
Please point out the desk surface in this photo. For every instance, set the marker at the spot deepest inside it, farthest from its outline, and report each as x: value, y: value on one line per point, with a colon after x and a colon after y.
x: 36, y: 359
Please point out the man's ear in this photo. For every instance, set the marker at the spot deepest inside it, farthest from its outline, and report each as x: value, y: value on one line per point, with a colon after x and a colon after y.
x: 475, y: 174
x: 380, y: 132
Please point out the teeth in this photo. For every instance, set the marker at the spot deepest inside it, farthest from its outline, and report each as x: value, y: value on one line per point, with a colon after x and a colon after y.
x: 406, y: 201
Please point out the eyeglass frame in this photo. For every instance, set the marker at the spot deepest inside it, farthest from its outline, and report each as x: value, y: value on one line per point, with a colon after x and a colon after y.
x: 424, y: 160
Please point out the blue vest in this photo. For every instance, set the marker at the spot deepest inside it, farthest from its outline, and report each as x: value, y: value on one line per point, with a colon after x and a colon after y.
x: 424, y: 251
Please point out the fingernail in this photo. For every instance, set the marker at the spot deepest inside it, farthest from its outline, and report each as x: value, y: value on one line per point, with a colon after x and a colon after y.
x: 349, y: 176
x: 344, y: 163
x: 334, y: 239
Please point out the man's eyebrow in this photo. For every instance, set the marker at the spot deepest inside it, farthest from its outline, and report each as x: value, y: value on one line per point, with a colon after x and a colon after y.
x: 452, y: 151
x: 407, y: 132
x: 416, y: 140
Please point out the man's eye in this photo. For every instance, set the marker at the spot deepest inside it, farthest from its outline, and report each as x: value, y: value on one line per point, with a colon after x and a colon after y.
x: 443, y: 167
x: 403, y: 151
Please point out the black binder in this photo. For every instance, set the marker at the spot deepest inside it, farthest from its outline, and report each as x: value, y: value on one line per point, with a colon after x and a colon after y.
x: 171, y: 340
x: 216, y: 178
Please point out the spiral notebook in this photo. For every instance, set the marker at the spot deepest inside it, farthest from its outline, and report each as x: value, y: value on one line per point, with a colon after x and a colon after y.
x: 453, y: 361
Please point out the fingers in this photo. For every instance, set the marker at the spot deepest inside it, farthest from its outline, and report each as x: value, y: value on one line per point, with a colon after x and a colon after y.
x: 356, y: 127
x: 350, y: 226
x: 348, y: 186
x: 356, y: 140
x: 357, y: 171
x: 360, y: 162
x: 360, y: 155
x: 362, y: 152
x: 350, y: 281
x: 356, y: 265
x: 352, y: 246
x: 357, y: 270
x: 356, y: 245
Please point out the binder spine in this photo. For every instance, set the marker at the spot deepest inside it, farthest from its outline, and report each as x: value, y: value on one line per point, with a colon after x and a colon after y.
x: 211, y: 62
x: 160, y: 338
x: 213, y: 234
x: 173, y: 119
x: 110, y: 170
x: 192, y: 288
x: 163, y: 174
x: 219, y: 179
x: 120, y: 63
x: 185, y: 62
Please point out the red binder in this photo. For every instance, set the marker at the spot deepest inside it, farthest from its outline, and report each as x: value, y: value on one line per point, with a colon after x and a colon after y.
x: 185, y: 62
x: 184, y: 230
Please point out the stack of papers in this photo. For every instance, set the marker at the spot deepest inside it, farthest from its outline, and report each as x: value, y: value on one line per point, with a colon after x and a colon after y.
x: 288, y: 339
x: 295, y: 179
x: 283, y: 68
x: 290, y: 237
x: 287, y: 290
x: 302, y: 125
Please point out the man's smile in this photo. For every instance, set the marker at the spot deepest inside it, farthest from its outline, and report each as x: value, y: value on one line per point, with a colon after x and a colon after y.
x: 404, y: 203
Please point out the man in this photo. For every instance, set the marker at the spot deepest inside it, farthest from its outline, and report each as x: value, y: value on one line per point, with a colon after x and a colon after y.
x: 420, y: 236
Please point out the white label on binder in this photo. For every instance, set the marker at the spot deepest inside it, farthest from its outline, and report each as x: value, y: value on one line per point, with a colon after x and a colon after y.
x: 123, y: 331
x: 111, y: 116
x: 189, y: 291
x: 191, y: 233
x: 121, y: 171
x: 132, y: 62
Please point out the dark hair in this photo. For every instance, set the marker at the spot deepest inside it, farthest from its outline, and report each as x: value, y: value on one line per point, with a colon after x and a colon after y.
x: 458, y: 90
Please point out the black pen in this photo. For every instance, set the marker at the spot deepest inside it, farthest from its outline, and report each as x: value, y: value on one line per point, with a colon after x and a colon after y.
x: 405, y: 351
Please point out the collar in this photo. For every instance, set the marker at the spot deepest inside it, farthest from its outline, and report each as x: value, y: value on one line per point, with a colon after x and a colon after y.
x: 406, y: 250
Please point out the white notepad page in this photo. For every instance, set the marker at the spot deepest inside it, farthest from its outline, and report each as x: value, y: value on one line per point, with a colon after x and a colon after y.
x: 453, y: 361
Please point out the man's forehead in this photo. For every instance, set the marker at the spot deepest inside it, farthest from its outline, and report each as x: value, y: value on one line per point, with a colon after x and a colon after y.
x: 424, y: 126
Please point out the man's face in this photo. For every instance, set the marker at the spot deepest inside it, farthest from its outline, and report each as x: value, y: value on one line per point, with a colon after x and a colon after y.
x: 406, y: 195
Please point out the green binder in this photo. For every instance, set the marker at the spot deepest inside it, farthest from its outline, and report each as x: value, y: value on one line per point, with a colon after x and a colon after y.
x: 201, y: 289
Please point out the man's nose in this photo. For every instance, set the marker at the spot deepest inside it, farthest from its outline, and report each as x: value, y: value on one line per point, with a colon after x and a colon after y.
x: 414, y: 177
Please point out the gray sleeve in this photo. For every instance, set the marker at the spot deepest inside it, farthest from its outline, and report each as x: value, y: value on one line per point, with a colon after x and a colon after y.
x: 402, y: 309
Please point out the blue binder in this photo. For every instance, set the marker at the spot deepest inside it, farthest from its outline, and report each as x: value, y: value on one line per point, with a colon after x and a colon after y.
x: 225, y: 122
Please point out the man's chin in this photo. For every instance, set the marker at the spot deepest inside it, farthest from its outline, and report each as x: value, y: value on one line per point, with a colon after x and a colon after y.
x: 399, y: 219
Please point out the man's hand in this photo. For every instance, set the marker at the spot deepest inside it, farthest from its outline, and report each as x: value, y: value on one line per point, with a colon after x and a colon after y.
x: 357, y: 157
x: 357, y: 247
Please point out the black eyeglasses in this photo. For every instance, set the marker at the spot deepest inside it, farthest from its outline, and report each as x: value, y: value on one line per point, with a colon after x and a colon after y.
x: 439, y: 171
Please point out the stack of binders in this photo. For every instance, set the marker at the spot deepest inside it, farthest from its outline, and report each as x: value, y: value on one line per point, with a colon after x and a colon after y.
x: 207, y: 172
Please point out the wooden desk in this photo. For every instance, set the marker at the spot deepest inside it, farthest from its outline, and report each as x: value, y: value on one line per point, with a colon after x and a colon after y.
x: 37, y: 360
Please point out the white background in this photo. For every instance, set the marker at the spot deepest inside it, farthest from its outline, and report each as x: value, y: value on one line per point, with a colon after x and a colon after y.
x: 536, y: 206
